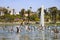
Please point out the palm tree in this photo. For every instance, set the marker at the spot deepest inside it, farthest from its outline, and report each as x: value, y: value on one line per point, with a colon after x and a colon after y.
x: 28, y: 11
x: 22, y: 14
x: 30, y: 8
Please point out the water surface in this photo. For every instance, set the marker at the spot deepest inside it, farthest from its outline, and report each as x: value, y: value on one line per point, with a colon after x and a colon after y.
x: 33, y: 34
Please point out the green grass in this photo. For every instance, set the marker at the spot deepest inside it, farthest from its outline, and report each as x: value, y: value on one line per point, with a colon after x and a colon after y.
x: 50, y: 24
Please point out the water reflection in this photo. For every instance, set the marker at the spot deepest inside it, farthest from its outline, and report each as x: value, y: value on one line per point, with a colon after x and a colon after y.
x: 32, y: 33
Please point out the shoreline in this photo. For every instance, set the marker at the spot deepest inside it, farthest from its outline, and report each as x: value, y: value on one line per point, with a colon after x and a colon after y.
x: 4, y: 23
x: 18, y: 23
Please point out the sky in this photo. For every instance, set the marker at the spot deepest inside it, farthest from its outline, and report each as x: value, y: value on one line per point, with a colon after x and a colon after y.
x: 35, y: 4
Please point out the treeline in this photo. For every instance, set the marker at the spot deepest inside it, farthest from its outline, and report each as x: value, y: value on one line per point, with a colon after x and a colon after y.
x: 52, y: 14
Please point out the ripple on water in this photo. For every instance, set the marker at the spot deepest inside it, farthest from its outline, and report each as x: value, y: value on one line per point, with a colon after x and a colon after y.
x: 35, y: 34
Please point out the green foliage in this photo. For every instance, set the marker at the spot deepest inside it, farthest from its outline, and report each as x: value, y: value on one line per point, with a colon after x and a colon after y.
x: 52, y: 14
x: 34, y: 17
x: 9, y: 18
x: 22, y: 12
x: 17, y: 16
x: 37, y: 19
x: 53, y: 11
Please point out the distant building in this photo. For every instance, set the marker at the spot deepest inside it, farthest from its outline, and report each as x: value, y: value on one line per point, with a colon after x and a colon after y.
x: 12, y: 11
x: 1, y: 11
x: 32, y: 13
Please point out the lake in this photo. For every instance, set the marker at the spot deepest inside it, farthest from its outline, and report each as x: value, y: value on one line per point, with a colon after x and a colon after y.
x: 8, y: 32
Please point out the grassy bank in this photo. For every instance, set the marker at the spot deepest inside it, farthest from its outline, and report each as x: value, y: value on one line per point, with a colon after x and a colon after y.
x: 9, y: 23
x: 18, y: 23
x: 50, y: 24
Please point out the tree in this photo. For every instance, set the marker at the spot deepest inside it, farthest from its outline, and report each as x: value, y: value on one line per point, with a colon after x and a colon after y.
x: 6, y: 14
x: 28, y: 11
x: 34, y: 17
x: 22, y: 14
x: 39, y: 12
x: 53, y: 11
x: 58, y: 15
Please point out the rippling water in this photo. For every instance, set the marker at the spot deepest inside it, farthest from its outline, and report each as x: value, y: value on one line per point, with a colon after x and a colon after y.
x: 32, y: 34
